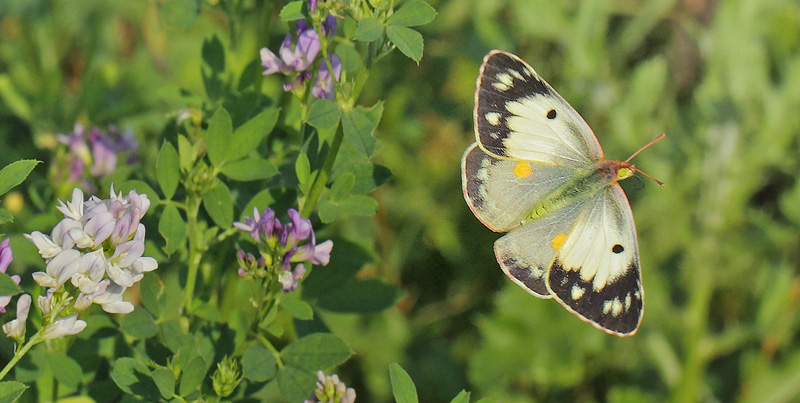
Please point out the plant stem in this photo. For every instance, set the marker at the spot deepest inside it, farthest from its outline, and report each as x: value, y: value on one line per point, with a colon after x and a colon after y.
x: 36, y: 339
x: 193, y: 206
x: 324, y: 174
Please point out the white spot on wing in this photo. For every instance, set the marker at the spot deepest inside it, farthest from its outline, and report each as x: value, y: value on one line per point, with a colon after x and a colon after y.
x: 607, y: 307
x: 628, y: 301
x: 516, y: 74
x: 493, y: 118
x: 616, y: 307
x: 577, y: 291
x: 506, y: 79
x: 500, y: 86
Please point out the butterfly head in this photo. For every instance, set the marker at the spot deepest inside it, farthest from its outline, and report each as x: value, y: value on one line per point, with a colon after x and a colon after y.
x: 625, y: 171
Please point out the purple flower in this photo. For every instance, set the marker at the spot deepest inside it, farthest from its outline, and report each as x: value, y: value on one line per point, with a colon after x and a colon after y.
x: 289, y: 279
x: 324, y: 88
x: 297, y: 59
x: 329, y: 26
x: 312, y: 5
x: 6, y: 255
x: 105, y: 157
x: 101, y: 152
x: 281, y: 245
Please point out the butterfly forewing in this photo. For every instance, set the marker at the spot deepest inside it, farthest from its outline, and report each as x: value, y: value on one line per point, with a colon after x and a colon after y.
x: 596, y: 271
x: 502, y: 192
x: 518, y: 115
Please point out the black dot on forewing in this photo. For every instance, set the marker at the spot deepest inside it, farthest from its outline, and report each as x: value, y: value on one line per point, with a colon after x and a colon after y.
x: 617, y: 248
x: 551, y: 114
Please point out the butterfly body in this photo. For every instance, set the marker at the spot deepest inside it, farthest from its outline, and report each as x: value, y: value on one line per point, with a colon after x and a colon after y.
x: 585, y: 184
x: 537, y: 172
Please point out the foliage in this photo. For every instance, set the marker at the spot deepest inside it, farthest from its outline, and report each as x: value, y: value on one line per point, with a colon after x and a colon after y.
x: 371, y: 161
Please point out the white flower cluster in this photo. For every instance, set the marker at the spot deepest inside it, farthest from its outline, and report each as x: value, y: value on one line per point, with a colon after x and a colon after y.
x: 97, y: 248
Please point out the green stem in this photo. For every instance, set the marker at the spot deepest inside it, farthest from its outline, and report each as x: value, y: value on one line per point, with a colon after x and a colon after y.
x: 193, y: 206
x: 272, y: 349
x: 36, y: 339
x: 324, y: 174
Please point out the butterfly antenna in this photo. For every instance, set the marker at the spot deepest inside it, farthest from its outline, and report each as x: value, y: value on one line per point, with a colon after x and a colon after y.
x: 653, y: 141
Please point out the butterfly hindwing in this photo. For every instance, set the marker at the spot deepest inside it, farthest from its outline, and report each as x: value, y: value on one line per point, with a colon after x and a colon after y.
x: 502, y: 192
x: 527, y: 253
x: 518, y: 115
x: 596, y: 271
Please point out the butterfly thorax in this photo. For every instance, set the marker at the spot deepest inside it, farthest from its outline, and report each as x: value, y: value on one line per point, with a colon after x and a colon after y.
x: 584, y: 184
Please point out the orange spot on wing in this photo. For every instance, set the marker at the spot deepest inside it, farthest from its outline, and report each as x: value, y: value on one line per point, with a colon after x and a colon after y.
x: 559, y: 240
x: 522, y: 170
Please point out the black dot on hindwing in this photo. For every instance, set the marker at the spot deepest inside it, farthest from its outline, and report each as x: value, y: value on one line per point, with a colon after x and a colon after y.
x: 617, y: 248
x: 551, y: 114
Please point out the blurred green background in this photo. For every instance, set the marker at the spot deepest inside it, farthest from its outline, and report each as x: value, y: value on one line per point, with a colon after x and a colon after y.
x: 720, y: 244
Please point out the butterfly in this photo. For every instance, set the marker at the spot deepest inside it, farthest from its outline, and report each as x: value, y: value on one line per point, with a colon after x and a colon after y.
x: 538, y: 173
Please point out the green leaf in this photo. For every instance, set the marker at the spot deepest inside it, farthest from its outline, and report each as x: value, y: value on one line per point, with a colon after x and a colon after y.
x: 11, y: 391
x: 5, y: 216
x: 65, y: 369
x: 413, y: 13
x: 317, y: 351
x: 364, y: 296
x: 249, y: 169
x: 343, y: 185
x: 258, y: 364
x: 187, y: 152
x: 218, y: 136
x: 149, y: 291
x: 8, y: 287
x: 219, y: 205
x: 172, y: 227
x: 407, y: 40
x: 295, y: 384
x: 133, y: 378
x: 327, y: 211
x: 168, y: 170
x: 324, y: 114
x: 403, y: 387
x: 298, y: 308
x: 213, y: 54
x: 138, y: 324
x: 174, y: 337
x: 358, y: 126
x: 302, y: 168
x: 350, y: 57
x: 247, y: 136
x: 179, y: 13
x: 165, y: 381
x: 369, y: 29
x: 192, y: 376
x: 14, y: 173
x: 461, y: 397
x: 292, y: 11
x: 140, y: 187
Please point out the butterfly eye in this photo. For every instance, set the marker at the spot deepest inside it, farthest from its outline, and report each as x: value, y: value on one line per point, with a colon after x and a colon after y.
x: 617, y: 249
x: 551, y: 114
